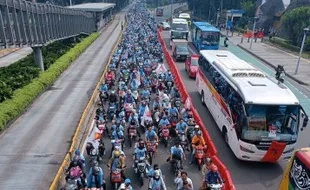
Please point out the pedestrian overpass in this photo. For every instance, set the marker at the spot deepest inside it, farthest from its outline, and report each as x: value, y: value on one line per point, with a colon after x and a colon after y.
x: 23, y: 23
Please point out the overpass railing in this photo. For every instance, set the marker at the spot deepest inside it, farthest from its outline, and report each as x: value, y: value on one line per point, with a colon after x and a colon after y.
x: 36, y: 24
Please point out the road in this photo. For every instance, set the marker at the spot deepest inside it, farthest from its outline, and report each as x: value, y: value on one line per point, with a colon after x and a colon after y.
x: 13, y: 57
x: 160, y: 158
x: 245, y: 175
x: 34, y: 146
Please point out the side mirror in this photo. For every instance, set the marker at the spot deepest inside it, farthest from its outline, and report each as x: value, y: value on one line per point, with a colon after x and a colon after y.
x: 305, y: 123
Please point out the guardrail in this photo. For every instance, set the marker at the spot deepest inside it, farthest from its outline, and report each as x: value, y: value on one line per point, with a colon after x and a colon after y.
x: 211, y: 150
x: 85, y: 118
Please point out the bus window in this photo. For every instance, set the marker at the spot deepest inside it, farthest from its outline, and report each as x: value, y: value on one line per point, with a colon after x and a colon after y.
x: 210, y: 38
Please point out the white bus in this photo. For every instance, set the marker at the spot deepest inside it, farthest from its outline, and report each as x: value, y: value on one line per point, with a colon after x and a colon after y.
x: 179, y: 29
x: 258, y: 117
x: 186, y: 16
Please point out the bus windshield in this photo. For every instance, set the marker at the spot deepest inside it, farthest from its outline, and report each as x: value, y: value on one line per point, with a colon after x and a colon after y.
x: 210, y: 38
x: 271, y: 122
x: 179, y: 27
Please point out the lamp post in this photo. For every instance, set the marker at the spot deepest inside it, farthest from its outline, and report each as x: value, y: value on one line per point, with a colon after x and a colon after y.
x: 171, y: 10
x: 254, y: 26
x: 70, y: 2
x: 217, y: 17
x: 306, y: 30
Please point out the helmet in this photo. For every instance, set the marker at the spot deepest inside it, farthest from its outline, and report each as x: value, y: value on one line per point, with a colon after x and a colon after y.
x: 93, y: 152
x: 156, y: 174
x: 199, y: 132
x: 208, y: 160
x: 214, y: 168
x: 76, y: 158
x: 95, y: 170
x: 117, y: 153
x: 141, y: 143
x: 127, y: 181
x: 156, y: 166
x: 77, y: 152
x: 95, y: 163
x: 75, y: 163
x: 197, y: 127
x: 128, y: 91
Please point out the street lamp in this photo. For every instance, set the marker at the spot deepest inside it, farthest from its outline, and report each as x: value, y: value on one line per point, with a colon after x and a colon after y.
x: 171, y: 10
x: 306, y: 30
x: 254, y: 26
x: 217, y: 17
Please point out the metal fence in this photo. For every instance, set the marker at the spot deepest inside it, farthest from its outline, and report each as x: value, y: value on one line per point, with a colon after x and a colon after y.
x: 35, y: 24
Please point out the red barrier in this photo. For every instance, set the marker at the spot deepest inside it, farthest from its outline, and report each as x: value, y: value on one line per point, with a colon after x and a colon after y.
x: 211, y: 149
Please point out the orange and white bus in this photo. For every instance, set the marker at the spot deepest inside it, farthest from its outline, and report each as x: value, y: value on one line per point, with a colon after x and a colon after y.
x: 259, y: 118
x: 297, y: 172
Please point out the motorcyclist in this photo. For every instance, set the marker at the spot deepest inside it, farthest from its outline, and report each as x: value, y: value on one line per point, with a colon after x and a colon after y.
x: 126, y: 185
x: 112, y: 97
x: 76, y: 161
x: 197, y: 140
x: 156, y: 182
x: 95, y: 178
x: 118, y: 134
x: 145, y: 93
x: 156, y: 103
x: 152, y: 170
x: 140, y: 153
x: 150, y: 135
x: 163, y: 122
x: 213, y: 177
x: 134, y: 84
x: 181, y: 127
x: 77, y: 152
x: 117, y: 162
x: 117, y: 125
x: 110, y: 75
x: 177, y: 153
x: 129, y: 99
x: 75, y: 171
x: 173, y: 111
x: 133, y: 117
x: 195, y: 131
x: 142, y: 108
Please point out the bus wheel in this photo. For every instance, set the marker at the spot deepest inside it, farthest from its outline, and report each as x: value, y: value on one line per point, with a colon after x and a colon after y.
x: 203, y: 98
x: 225, y: 135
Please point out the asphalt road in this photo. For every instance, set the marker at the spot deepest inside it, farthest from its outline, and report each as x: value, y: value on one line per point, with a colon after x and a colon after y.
x: 34, y: 146
x: 160, y: 158
x: 245, y: 175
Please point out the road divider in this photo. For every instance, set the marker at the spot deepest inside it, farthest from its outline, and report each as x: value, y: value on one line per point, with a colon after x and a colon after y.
x: 86, y: 118
x: 211, y: 150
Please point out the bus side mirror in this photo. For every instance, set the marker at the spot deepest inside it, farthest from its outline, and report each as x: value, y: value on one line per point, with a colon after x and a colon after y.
x: 305, y: 123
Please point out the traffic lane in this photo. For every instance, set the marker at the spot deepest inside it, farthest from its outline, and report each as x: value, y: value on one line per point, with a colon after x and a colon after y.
x: 37, y: 142
x: 167, y: 11
x: 245, y: 175
x: 160, y: 159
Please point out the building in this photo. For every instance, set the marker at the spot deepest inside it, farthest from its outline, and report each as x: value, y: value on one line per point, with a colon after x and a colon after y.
x: 102, y: 12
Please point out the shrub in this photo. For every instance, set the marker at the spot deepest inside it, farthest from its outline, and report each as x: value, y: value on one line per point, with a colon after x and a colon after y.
x: 23, y: 97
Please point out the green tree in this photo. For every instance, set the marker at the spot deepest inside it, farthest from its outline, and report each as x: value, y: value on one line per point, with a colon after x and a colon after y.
x: 294, y: 22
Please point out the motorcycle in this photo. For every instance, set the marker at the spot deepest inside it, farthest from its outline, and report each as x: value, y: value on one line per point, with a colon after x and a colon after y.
x: 132, y: 134
x: 151, y: 149
x: 154, y: 85
x: 141, y: 169
x: 183, y: 141
x: 215, y: 186
x: 101, y: 127
x: 199, y: 155
x: 116, y: 178
x: 135, y: 95
x: 176, y: 166
x: 165, y: 135
x: 71, y: 184
x: 178, y: 103
x: 94, y: 156
x: 111, y: 111
x: 103, y: 97
x: 147, y: 70
x: 128, y: 109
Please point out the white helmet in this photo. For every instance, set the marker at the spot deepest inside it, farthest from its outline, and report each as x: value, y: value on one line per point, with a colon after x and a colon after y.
x: 156, y: 173
x: 197, y: 127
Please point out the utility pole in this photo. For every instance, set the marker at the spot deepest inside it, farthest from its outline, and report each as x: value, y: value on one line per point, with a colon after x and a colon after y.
x: 254, y: 26
x: 70, y: 2
x: 306, y: 30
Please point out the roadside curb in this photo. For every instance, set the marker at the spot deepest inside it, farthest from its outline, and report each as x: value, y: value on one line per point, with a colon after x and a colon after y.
x: 271, y: 65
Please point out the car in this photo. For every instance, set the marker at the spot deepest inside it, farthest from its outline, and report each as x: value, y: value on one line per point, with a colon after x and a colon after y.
x: 181, y: 52
x: 164, y: 25
x: 191, y: 65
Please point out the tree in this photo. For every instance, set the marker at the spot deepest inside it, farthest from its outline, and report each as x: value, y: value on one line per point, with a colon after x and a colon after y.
x: 294, y: 22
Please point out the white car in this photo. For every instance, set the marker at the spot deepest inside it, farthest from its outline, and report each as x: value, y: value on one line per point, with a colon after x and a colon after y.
x: 165, y: 25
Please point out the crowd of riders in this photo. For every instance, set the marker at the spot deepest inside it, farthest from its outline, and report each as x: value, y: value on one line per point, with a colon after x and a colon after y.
x: 140, y: 106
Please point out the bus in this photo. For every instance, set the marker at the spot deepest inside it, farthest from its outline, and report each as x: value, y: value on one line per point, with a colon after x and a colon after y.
x: 186, y: 16
x: 159, y: 11
x: 297, y: 172
x: 179, y: 29
x: 258, y: 117
x: 205, y: 36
